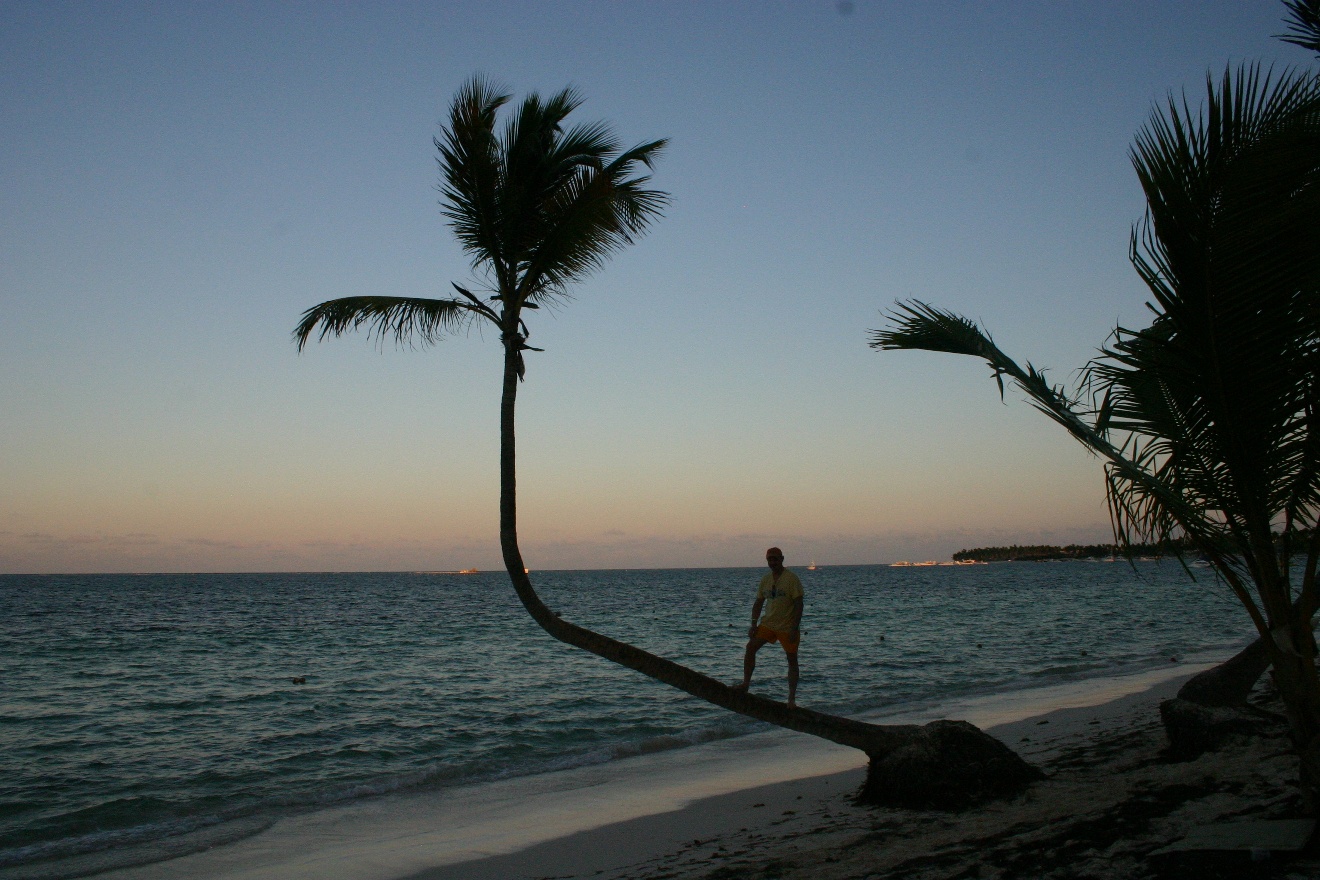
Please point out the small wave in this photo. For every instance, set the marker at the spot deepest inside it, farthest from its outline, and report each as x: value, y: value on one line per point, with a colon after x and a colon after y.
x: 124, y: 848
x: 1067, y: 670
x: 667, y: 742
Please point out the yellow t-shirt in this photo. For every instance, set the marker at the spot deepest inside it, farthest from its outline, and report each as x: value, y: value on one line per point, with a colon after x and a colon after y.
x: 777, y: 612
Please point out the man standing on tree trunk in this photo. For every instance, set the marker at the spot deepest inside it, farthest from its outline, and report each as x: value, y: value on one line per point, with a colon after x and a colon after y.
x: 782, y: 590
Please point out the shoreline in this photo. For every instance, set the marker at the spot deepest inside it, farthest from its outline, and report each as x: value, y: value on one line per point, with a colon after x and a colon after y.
x: 591, y: 820
x: 708, y: 832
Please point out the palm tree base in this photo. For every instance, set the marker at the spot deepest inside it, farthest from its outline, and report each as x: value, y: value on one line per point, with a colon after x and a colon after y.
x: 1194, y: 728
x: 1231, y: 682
x: 946, y: 765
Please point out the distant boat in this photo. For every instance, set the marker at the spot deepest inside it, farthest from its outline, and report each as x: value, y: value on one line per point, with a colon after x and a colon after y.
x: 812, y: 567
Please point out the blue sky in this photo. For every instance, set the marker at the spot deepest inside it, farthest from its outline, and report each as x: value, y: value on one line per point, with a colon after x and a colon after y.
x: 182, y: 180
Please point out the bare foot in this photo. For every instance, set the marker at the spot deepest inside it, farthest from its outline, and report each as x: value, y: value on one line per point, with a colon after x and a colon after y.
x: 741, y: 686
x: 792, y: 704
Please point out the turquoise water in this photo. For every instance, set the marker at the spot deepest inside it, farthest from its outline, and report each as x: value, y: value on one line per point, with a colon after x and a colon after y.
x: 144, y: 716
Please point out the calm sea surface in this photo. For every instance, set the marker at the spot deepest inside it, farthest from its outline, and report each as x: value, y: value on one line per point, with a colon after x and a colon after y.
x: 150, y: 715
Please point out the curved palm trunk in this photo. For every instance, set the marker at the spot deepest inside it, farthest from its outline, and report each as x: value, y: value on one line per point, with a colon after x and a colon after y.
x: 1230, y: 683
x: 1300, y: 690
x: 1289, y: 644
x: 1291, y: 650
x: 980, y: 766
x: 1286, y: 646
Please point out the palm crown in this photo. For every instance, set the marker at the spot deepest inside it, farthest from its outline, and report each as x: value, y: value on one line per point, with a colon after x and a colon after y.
x: 535, y: 206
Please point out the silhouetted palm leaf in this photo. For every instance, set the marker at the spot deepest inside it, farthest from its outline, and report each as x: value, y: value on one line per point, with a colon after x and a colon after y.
x: 1303, y: 24
x: 405, y: 318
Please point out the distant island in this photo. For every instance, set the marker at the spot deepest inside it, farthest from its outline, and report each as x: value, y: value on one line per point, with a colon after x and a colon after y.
x: 1020, y: 553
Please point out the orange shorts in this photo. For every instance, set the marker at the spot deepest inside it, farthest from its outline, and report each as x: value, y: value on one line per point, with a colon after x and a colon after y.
x: 789, y: 640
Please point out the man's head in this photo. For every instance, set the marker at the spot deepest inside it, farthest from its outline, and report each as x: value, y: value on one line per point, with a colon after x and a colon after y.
x: 774, y: 557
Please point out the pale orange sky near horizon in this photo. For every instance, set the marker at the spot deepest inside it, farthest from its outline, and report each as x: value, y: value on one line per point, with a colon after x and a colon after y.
x: 181, y: 185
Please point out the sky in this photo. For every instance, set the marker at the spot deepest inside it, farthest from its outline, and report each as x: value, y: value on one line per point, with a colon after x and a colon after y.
x: 180, y: 181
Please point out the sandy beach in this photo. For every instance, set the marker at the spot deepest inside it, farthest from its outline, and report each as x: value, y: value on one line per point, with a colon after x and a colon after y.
x: 1112, y: 800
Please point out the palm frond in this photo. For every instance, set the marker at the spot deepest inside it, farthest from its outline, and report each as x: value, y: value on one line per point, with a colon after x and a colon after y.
x: 592, y: 214
x: 917, y: 325
x: 472, y: 170
x: 921, y: 326
x: 407, y: 319
x: 1303, y: 24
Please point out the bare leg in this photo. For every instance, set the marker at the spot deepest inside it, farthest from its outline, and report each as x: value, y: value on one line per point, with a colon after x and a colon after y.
x: 792, y: 680
x: 749, y: 662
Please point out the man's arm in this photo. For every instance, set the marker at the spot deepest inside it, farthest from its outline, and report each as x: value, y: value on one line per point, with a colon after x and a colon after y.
x: 756, y: 615
x: 797, y: 612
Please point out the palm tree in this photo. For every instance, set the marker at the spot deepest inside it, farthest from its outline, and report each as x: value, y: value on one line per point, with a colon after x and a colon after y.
x: 1206, y: 419
x: 538, y: 207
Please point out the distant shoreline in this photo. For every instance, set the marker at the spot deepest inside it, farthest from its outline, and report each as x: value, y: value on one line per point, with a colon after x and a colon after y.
x: 1038, y: 552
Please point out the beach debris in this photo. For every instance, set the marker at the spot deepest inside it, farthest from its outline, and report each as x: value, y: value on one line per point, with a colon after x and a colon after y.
x: 1045, y: 721
x: 754, y: 806
x: 300, y: 679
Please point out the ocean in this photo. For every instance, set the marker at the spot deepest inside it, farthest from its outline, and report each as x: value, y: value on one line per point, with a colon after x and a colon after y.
x: 144, y: 717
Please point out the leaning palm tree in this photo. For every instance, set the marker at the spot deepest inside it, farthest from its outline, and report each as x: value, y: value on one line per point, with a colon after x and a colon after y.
x: 538, y: 207
x: 1207, y: 418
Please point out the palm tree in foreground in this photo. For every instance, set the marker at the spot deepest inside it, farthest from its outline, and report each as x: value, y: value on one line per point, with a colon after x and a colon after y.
x: 1207, y: 419
x: 538, y: 207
